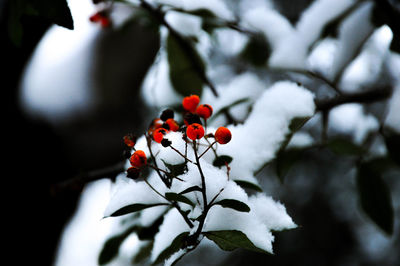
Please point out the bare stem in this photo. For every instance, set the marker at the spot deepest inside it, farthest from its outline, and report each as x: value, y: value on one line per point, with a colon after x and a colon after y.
x: 209, y: 147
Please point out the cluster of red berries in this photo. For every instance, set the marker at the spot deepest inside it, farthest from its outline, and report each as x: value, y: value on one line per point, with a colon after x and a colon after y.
x: 159, y: 127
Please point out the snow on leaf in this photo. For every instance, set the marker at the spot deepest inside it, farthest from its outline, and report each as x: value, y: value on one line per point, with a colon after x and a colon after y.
x: 255, y: 142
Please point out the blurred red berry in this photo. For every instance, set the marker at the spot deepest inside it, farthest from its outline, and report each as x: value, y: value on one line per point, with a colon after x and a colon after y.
x: 155, y: 124
x: 159, y: 134
x: 195, y: 131
x: 190, y: 103
x: 173, y: 125
x: 138, y: 159
x: 130, y: 140
x: 204, y: 111
x: 223, y: 135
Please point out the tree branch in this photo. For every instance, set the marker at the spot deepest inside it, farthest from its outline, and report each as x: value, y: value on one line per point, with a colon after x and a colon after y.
x: 371, y: 96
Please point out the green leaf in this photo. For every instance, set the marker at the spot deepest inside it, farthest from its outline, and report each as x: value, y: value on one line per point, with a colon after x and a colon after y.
x: 190, y: 189
x: 375, y: 196
x: 134, y: 208
x: 249, y: 185
x: 176, y: 245
x: 298, y: 122
x: 176, y: 169
x: 257, y: 50
x: 392, y: 141
x: 186, y: 67
x: 285, y: 159
x: 233, y: 204
x: 111, y: 246
x: 221, y: 160
x: 143, y: 253
x: 56, y: 11
x: 343, y: 146
x: 229, y: 240
x: 178, y: 197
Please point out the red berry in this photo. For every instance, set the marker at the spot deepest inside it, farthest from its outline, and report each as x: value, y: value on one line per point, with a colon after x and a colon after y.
x: 173, y: 125
x: 138, y: 159
x: 96, y: 17
x: 155, y: 124
x: 223, y: 135
x: 195, y: 131
x: 105, y: 22
x: 130, y: 140
x: 190, y: 103
x: 159, y: 134
x: 204, y: 110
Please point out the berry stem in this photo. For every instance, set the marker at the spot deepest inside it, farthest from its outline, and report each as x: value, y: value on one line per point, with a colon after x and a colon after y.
x: 209, y: 147
x: 173, y: 203
x: 203, y: 181
x: 165, y: 181
x: 184, y: 156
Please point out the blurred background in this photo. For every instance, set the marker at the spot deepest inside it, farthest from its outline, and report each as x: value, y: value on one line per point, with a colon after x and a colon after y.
x: 71, y: 95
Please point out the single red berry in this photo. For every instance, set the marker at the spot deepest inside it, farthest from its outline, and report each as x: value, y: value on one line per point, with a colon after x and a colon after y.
x: 130, y: 140
x: 195, y: 131
x: 138, y: 159
x: 190, y: 103
x: 155, y: 124
x: 204, y: 110
x: 159, y: 134
x: 223, y: 135
x: 173, y: 125
x: 105, y: 22
x: 96, y: 17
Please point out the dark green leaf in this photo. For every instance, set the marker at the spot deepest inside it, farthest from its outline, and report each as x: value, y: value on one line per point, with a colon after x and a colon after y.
x: 186, y: 68
x: 143, y: 253
x: 343, y: 146
x: 56, y: 11
x: 392, y: 141
x: 257, y: 50
x: 178, y: 197
x: 111, y: 246
x: 233, y: 204
x: 285, y: 160
x: 134, y: 208
x: 229, y: 240
x: 249, y: 185
x: 176, y: 169
x: 148, y: 233
x: 298, y: 122
x: 375, y: 196
x: 190, y: 189
x: 222, y: 160
x: 177, y: 244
